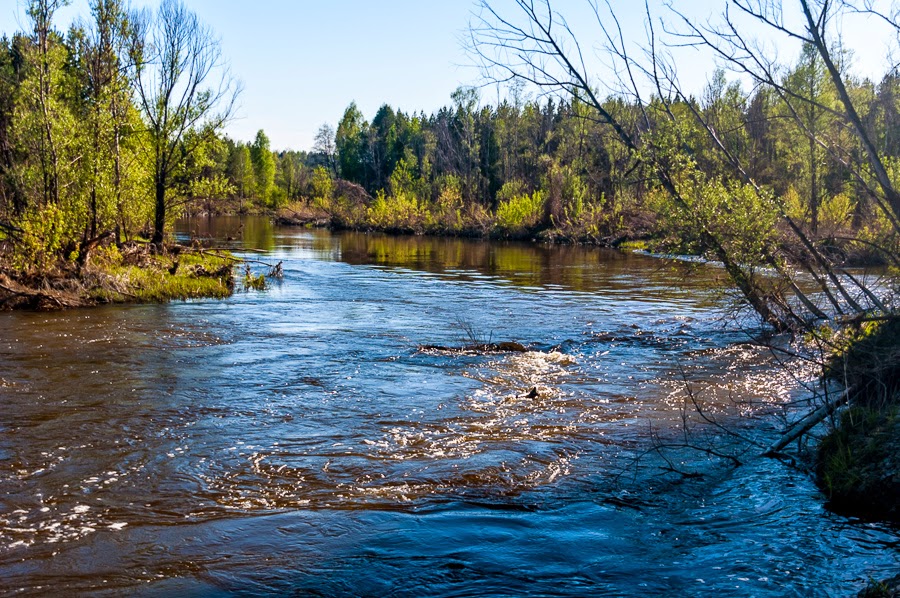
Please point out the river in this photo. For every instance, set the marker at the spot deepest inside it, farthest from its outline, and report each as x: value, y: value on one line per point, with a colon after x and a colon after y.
x: 301, y: 441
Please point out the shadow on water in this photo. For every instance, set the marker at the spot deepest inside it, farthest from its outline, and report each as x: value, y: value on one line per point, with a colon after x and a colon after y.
x: 298, y: 441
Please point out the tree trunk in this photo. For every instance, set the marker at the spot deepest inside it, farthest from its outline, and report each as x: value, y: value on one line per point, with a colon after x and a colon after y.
x: 159, y: 224
x: 878, y: 169
x: 813, y: 188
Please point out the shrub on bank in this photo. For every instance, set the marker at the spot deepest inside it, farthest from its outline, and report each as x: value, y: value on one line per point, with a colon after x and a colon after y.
x: 400, y: 212
x: 42, y: 241
x: 520, y: 214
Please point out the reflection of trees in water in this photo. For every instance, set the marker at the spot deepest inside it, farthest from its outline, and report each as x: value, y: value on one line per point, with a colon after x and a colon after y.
x: 572, y: 267
x: 254, y: 232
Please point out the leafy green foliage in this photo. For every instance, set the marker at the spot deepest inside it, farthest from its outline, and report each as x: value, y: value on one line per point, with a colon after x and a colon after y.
x: 400, y: 212
x: 80, y: 161
x: 521, y: 212
x: 263, y: 167
x: 44, y: 236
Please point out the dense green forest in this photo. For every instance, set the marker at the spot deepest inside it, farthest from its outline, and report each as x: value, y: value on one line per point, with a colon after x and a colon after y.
x: 77, y: 155
x: 549, y: 165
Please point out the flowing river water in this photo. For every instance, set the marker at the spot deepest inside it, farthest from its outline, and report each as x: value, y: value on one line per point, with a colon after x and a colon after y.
x: 301, y: 441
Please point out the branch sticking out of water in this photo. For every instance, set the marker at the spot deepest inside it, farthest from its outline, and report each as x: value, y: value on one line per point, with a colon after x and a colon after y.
x: 807, y: 423
x: 470, y: 335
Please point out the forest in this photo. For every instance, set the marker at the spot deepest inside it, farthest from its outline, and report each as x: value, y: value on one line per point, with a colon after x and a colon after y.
x: 77, y: 155
x: 86, y: 151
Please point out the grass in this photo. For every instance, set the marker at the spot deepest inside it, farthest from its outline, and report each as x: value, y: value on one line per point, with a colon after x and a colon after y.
x: 862, y: 438
x: 161, y: 278
x: 130, y: 274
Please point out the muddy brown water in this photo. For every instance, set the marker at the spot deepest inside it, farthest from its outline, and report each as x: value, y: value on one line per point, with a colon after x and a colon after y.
x: 296, y: 441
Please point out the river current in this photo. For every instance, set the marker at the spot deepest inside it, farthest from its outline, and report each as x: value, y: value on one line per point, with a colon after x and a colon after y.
x: 305, y: 440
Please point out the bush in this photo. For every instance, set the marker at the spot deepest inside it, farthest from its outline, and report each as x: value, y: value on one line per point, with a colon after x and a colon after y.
x: 45, y: 234
x: 520, y: 213
x: 400, y: 212
x: 446, y: 213
x: 835, y: 214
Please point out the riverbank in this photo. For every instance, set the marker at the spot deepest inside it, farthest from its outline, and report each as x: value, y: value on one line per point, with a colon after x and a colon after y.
x: 628, y: 227
x: 858, y: 461
x: 523, y: 220
x: 131, y: 273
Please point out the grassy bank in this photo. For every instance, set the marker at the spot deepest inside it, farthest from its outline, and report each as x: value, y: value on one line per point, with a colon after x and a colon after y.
x: 128, y: 274
x: 858, y: 461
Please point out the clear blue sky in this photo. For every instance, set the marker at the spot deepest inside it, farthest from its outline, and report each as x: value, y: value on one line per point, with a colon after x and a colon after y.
x: 303, y: 61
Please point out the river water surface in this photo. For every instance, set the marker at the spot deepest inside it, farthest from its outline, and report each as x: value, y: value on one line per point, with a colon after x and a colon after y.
x: 300, y: 440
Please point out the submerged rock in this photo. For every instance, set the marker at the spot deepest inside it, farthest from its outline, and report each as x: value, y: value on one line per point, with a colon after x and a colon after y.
x: 505, y: 347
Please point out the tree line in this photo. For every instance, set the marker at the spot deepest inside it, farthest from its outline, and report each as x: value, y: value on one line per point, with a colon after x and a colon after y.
x: 559, y: 149
x: 786, y: 185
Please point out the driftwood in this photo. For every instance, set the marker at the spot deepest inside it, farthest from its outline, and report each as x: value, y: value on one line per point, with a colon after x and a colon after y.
x: 275, y: 270
x: 807, y: 423
x: 505, y: 347
x: 290, y: 218
x: 302, y: 217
